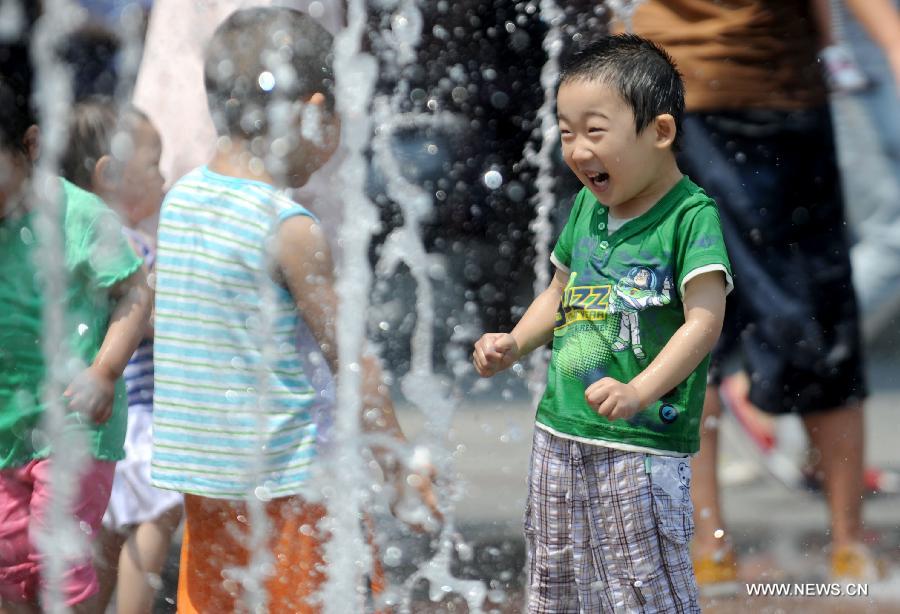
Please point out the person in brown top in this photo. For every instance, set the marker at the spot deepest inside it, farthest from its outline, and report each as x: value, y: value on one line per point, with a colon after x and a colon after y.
x: 741, y: 54
x: 758, y: 137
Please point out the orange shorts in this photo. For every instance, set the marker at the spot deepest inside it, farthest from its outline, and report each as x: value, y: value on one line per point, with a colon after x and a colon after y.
x: 215, y: 535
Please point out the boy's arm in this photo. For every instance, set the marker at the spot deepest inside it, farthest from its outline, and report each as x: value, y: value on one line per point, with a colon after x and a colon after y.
x: 305, y: 266
x: 304, y: 262
x: 149, y: 274
x: 495, y: 352
x: 704, y: 311
x: 92, y: 391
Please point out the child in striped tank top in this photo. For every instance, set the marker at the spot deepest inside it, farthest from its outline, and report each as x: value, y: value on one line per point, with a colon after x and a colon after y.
x: 140, y: 520
x: 241, y: 267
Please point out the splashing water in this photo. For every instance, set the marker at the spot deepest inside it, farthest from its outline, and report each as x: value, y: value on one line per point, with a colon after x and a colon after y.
x: 623, y: 10
x: 543, y: 160
x: 441, y: 583
x: 405, y: 244
x: 131, y: 35
x: 253, y: 577
x: 61, y: 540
x: 346, y: 554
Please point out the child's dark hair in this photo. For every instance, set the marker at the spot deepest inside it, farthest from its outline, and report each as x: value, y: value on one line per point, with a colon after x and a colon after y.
x: 643, y: 74
x: 259, y: 54
x: 92, y: 126
x: 16, y: 115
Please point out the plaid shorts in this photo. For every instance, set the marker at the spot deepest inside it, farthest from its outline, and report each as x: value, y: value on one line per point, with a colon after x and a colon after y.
x: 607, y: 530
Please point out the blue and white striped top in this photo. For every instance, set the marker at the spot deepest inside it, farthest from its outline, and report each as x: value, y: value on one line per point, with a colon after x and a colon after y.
x: 139, y: 370
x: 211, y: 425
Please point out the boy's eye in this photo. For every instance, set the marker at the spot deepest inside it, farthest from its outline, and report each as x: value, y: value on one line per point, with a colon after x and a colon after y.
x: 596, y: 130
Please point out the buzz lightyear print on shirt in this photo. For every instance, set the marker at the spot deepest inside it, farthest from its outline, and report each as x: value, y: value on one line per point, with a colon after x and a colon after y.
x: 635, y: 292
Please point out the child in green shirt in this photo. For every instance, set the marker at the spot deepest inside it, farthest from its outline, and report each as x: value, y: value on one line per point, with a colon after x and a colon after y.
x: 106, y: 306
x: 634, y: 308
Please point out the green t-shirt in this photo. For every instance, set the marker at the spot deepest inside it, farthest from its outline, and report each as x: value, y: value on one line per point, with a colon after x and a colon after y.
x: 97, y: 257
x: 621, y: 306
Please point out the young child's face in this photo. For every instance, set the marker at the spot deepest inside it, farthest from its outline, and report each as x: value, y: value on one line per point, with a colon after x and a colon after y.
x: 140, y: 187
x: 601, y: 146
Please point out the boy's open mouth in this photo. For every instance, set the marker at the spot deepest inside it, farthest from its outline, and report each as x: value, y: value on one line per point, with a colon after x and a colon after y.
x: 599, y: 180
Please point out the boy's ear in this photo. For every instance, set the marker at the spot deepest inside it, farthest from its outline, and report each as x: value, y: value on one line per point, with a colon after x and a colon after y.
x: 329, y: 122
x: 317, y: 99
x: 32, y: 142
x: 665, y: 130
x: 102, y: 178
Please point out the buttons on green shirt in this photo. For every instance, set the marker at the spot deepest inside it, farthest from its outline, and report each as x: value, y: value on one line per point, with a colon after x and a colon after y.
x: 601, y: 226
x: 604, y: 244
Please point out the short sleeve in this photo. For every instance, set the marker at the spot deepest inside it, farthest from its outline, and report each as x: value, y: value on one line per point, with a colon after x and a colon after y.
x: 562, y: 251
x: 95, y: 244
x: 701, y: 247
x: 288, y: 208
x: 107, y: 253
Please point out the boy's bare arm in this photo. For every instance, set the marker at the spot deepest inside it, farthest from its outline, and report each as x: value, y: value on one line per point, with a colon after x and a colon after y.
x: 92, y: 391
x: 704, y: 311
x: 305, y: 264
x: 149, y: 273
x: 306, y: 268
x: 495, y: 352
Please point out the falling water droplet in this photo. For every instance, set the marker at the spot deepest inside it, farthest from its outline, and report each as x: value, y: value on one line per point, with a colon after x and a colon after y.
x: 493, y: 179
x: 393, y: 556
x: 266, y: 81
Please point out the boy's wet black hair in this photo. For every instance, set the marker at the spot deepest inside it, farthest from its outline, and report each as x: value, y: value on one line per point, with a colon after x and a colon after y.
x: 16, y: 114
x: 289, y: 45
x: 643, y: 74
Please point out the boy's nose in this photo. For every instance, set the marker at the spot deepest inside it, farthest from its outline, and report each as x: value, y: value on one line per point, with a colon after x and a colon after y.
x: 581, y: 154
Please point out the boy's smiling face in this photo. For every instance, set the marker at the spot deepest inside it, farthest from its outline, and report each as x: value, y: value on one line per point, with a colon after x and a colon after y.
x: 602, y: 147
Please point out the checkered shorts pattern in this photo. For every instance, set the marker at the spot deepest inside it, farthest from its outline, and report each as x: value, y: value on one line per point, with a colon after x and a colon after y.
x: 607, y: 531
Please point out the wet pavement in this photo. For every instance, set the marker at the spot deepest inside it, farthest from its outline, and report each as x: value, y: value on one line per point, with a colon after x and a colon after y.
x: 779, y: 532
